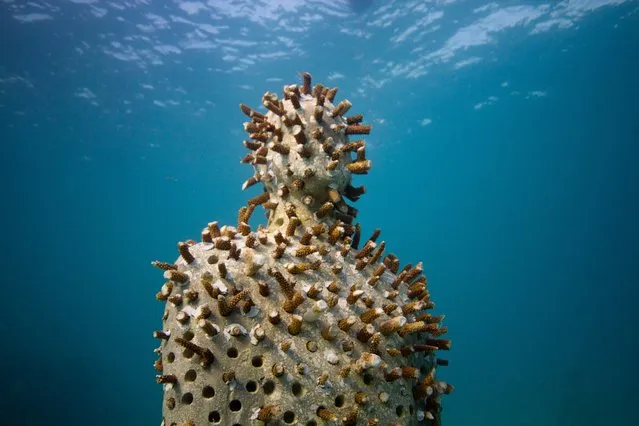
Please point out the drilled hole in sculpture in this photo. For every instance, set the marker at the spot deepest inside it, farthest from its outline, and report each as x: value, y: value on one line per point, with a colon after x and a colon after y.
x: 296, y: 388
x: 268, y: 387
x: 368, y: 379
x: 288, y: 417
x: 190, y: 376
x: 215, y: 417
x: 235, y: 405
x: 251, y: 386
x: 208, y: 392
x: 257, y: 361
x: 187, y: 398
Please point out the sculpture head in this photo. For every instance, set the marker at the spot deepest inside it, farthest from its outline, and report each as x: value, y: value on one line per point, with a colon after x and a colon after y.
x: 302, y: 154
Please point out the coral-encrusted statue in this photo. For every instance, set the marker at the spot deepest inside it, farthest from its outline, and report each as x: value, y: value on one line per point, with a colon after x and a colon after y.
x: 294, y: 323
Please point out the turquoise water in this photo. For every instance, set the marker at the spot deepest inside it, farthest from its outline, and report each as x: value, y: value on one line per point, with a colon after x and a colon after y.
x: 504, y: 149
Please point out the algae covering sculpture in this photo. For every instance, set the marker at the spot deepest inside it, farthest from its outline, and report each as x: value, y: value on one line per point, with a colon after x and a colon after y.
x: 301, y: 321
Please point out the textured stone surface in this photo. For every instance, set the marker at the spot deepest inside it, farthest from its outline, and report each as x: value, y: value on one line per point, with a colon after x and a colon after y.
x: 294, y: 323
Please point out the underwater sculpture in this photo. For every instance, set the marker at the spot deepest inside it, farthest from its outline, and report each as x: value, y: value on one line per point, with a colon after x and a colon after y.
x: 295, y: 323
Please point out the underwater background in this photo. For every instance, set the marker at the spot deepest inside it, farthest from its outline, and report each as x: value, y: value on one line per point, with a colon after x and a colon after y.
x: 505, y: 151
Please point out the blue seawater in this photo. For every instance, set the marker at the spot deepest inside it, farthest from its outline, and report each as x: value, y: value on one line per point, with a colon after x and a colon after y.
x: 505, y: 154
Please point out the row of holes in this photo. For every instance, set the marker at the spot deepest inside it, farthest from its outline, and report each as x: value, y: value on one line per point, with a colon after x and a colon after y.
x: 236, y: 405
x: 251, y: 386
x: 288, y: 417
x: 256, y: 361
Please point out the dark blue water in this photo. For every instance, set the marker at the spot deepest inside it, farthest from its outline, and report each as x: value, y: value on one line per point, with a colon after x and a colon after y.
x: 505, y: 153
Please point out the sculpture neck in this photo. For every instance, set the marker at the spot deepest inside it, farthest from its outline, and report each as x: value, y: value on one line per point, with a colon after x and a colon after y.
x: 308, y: 216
